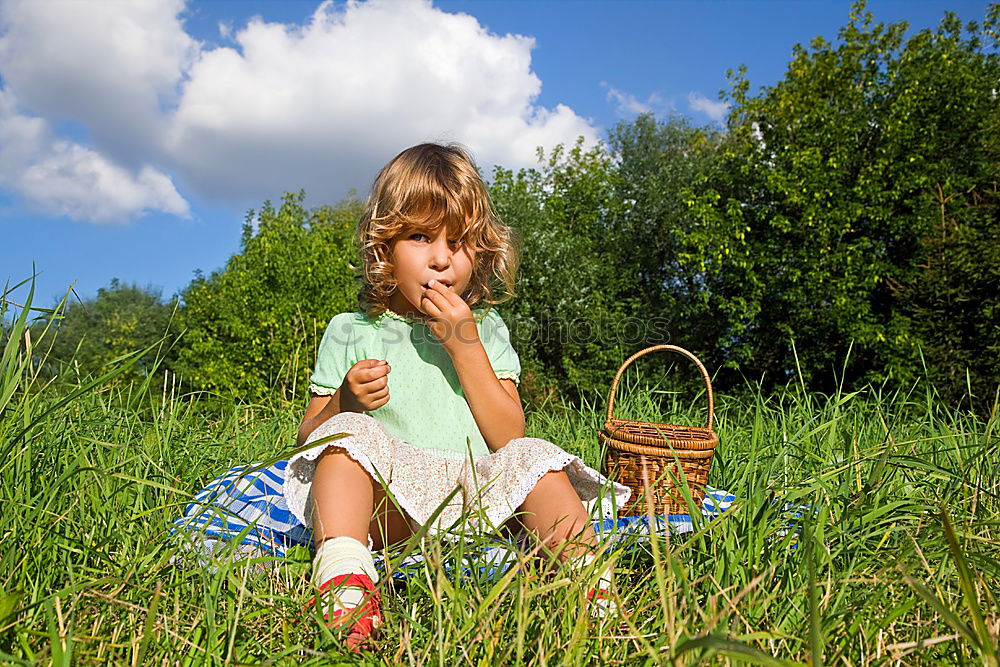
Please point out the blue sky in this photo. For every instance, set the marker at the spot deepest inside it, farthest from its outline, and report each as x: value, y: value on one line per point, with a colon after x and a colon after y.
x: 136, y: 157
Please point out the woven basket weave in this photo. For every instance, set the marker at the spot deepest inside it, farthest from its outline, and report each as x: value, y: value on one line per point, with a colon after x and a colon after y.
x: 644, y: 456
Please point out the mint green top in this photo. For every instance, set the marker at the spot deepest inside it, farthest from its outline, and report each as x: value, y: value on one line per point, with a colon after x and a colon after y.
x: 427, y: 405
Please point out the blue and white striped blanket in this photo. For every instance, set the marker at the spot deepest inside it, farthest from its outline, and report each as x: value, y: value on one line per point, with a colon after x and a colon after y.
x: 242, y: 514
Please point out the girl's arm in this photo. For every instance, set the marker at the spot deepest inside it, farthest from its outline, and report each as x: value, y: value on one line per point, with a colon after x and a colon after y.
x: 320, y: 409
x: 495, y: 403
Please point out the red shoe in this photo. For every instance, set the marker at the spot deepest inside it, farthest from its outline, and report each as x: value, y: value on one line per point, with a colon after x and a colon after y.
x: 614, y: 612
x: 600, y: 594
x: 365, y: 619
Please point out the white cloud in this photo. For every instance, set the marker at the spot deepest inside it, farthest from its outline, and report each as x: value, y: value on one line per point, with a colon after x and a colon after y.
x: 64, y: 178
x: 627, y: 104
x: 716, y: 111
x: 320, y: 106
x: 77, y: 182
x: 111, y: 67
x: 324, y: 105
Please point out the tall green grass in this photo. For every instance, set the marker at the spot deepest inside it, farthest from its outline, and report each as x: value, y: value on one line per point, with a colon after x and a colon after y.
x: 894, y: 557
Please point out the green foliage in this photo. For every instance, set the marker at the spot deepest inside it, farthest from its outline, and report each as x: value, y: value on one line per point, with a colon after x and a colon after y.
x: 847, y: 213
x: 656, y: 163
x: 819, y: 206
x: 253, y: 327
x: 579, y: 287
x: 120, y: 320
x: 15, y: 362
x: 955, y: 299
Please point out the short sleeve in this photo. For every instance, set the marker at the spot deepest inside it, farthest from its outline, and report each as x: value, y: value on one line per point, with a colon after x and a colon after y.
x: 496, y: 341
x: 340, y: 348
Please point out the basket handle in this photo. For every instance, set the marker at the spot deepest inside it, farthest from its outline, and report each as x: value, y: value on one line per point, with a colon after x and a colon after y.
x: 669, y: 348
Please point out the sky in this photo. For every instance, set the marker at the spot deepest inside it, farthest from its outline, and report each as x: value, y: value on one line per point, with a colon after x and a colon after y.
x: 136, y: 134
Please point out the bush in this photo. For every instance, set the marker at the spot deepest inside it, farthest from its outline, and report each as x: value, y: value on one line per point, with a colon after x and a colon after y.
x: 252, y: 329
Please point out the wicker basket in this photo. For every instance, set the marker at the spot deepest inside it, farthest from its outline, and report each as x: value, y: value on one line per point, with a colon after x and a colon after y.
x: 641, y: 455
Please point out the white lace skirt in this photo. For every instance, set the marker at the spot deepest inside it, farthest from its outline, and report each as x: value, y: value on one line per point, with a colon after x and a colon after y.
x: 490, y: 488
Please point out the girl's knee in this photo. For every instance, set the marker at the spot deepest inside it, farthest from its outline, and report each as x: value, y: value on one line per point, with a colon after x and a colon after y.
x: 338, y: 461
x: 333, y: 451
x: 567, y: 530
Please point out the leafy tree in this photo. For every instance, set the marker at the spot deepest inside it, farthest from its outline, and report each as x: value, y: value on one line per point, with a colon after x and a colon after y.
x: 655, y: 163
x: 580, y: 307
x: 955, y: 296
x: 815, y: 212
x: 121, y: 319
x: 254, y: 326
x: 955, y: 299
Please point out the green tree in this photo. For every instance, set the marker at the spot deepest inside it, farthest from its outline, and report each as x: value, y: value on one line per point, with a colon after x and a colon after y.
x: 580, y: 308
x: 955, y: 298
x: 253, y: 327
x: 815, y: 212
x: 655, y: 163
x: 121, y: 319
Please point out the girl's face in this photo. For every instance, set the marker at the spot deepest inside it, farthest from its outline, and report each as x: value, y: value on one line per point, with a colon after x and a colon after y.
x: 420, y: 255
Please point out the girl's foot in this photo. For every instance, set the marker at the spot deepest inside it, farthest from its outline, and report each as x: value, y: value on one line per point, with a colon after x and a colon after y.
x: 364, y: 620
x: 601, y: 603
x: 344, y: 576
x: 606, y: 608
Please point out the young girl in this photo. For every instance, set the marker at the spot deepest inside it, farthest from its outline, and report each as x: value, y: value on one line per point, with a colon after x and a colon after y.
x: 426, y: 389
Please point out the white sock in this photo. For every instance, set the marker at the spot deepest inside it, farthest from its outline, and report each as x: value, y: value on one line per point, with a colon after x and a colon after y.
x: 598, y: 606
x: 343, y: 555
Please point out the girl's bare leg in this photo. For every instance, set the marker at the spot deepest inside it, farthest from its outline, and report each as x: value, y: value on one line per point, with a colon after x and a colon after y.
x: 345, y: 500
x: 553, y: 512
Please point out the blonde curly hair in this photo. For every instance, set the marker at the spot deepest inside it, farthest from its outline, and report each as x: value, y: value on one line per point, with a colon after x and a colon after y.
x: 423, y: 187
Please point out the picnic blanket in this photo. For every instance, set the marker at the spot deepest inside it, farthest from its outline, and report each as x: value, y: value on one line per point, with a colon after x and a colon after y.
x: 242, y: 514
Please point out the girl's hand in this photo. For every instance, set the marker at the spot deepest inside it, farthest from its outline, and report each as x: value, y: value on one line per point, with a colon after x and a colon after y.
x: 449, y: 317
x: 365, y: 387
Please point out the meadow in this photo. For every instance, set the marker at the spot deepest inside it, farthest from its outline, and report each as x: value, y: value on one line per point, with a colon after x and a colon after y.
x: 894, y: 557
